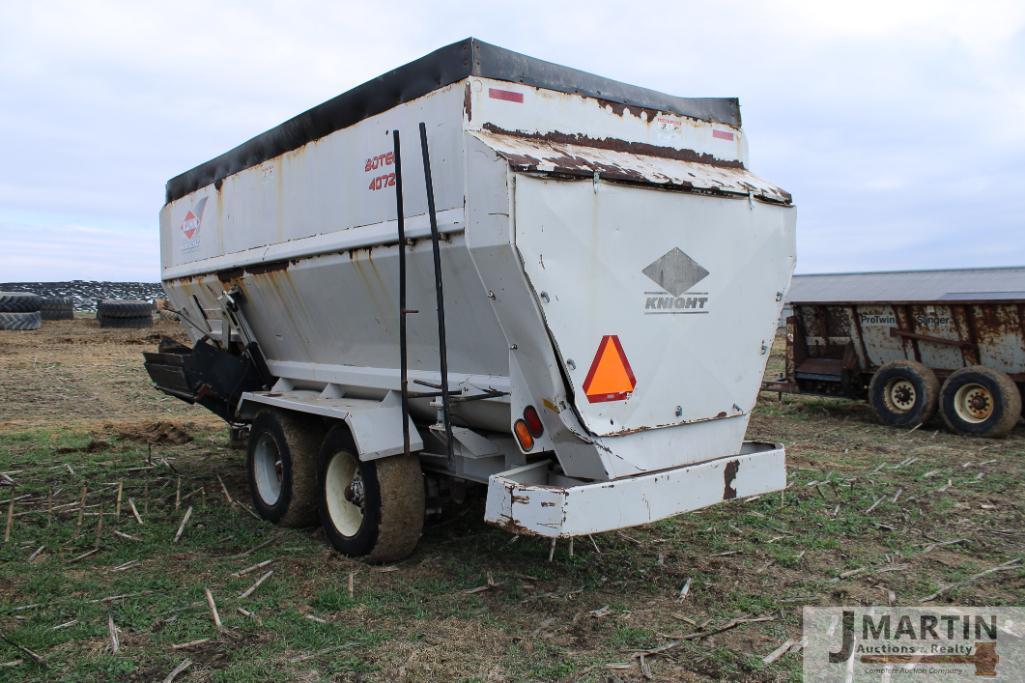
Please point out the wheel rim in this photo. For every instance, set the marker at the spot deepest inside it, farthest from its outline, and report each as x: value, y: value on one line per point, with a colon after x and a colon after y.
x: 900, y: 395
x: 267, y: 469
x: 973, y: 403
x: 343, y: 493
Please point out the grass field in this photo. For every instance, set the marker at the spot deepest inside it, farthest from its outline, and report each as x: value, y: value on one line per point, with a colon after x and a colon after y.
x: 94, y: 593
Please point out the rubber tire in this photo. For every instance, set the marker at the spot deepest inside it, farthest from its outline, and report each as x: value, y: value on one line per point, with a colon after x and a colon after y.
x: 21, y: 322
x: 1007, y: 402
x: 113, y: 308
x: 297, y: 438
x: 58, y: 313
x: 134, y: 322
x: 927, y: 390
x: 58, y: 308
x: 19, y: 302
x: 394, y: 503
x: 56, y: 302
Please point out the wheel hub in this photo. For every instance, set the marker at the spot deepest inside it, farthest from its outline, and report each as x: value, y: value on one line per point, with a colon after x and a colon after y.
x: 344, y: 493
x: 901, y: 395
x: 973, y: 403
x: 268, y: 470
x: 354, y: 492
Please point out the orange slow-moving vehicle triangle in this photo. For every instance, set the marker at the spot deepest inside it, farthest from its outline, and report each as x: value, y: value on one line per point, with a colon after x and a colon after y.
x: 610, y: 377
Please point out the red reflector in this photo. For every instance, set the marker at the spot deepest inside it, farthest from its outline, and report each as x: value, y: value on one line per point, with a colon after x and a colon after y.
x: 522, y: 432
x: 507, y: 95
x: 722, y: 134
x: 533, y: 422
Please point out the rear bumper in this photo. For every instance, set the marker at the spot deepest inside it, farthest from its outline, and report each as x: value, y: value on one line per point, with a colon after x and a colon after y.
x: 525, y: 501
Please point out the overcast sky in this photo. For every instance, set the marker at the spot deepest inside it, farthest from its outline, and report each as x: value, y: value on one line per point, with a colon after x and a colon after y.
x: 899, y: 127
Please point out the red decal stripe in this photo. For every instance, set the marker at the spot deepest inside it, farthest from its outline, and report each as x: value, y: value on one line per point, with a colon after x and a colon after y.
x: 507, y: 95
x: 722, y: 134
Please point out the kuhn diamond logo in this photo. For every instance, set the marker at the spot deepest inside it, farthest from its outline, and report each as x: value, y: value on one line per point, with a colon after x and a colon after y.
x: 191, y: 224
x: 675, y: 272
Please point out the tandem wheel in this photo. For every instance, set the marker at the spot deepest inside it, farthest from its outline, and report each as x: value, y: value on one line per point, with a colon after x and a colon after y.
x: 281, y: 467
x: 980, y: 401
x: 370, y: 509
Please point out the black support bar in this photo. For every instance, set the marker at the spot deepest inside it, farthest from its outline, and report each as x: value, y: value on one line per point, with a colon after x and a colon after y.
x: 403, y: 311
x: 435, y: 239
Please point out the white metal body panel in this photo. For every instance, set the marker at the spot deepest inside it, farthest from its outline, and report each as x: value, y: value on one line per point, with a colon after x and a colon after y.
x: 525, y: 501
x: 700, y: 358
x: 344, y: 180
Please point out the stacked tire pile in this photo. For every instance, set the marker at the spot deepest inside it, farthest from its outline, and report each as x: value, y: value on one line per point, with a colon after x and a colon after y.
x: 58, y: 308
x: 124, y: 313
x: 20, y: 311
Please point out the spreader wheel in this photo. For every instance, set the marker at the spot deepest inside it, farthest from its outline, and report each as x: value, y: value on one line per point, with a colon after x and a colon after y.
x: 281, y: 465
x: 372, y: 509
x: 904, y: 393
x: 980, y: 401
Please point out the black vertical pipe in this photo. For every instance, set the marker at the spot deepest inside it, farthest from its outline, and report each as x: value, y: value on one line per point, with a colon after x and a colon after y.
x: 442, y: 346
x: 403, y: 360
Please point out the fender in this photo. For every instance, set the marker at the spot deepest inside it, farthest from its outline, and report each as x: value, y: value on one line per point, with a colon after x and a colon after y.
x: 375, y: 425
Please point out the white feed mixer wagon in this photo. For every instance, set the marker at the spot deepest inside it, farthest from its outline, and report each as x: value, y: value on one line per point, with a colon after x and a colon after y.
x: 483, y: 267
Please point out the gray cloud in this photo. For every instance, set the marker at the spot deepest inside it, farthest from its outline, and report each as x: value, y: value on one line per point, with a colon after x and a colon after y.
x: 899, y: 127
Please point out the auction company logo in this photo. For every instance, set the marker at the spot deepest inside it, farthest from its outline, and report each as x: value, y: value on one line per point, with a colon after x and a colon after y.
x: 191, y: 223
x: 676, y: 273
x: 941, y: 644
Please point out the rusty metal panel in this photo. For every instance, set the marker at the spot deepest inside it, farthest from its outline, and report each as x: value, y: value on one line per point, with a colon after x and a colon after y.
x: 1000, y: 335
x: 943, y: 335
x: 523, y: 111
x: 936, y: 321
x: 626, y: 163
x: 875, y: 321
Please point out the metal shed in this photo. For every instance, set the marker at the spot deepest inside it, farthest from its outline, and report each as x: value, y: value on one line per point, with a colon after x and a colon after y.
x: 942, y: 284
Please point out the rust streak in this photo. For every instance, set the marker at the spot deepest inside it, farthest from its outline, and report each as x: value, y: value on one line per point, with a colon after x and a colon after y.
x: 616, y: 145
x: 729, y: 477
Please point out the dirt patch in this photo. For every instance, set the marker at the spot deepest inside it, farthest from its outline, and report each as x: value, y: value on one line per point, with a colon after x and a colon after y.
x: 154, y: 432
x: 72, y: 371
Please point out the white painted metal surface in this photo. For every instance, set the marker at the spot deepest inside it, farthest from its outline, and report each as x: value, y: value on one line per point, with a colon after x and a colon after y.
x: 337, y: 183
x: 525, y: 500
x: 697, y: 351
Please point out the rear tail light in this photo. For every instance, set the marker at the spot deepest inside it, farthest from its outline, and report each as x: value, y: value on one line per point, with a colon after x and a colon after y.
x: 522, y: 432
x: 533, y: 421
